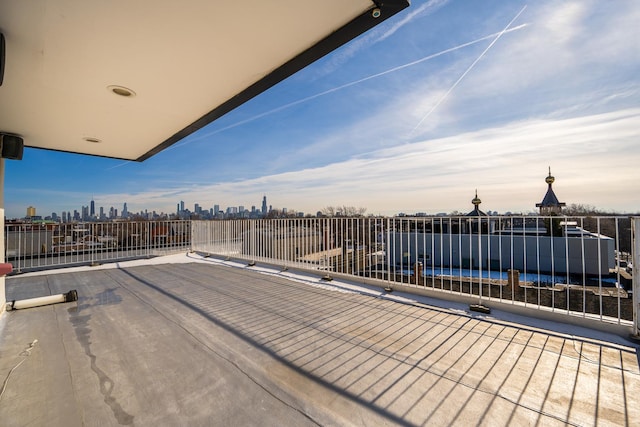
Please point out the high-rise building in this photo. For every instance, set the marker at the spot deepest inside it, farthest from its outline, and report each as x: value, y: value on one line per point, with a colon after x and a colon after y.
x: 31, y: 211
x: 125, y: 211
x: 264, y: 205
x: 92, y: 210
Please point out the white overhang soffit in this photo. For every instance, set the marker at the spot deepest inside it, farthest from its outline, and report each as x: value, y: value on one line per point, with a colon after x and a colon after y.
x: 127, y: 79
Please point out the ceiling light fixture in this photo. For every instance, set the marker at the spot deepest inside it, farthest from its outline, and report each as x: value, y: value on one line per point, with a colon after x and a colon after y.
x: 122, y: 91
x: 94, y: 140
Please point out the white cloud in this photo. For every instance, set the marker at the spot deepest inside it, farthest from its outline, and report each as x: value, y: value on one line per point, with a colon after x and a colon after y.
x: 567, y: 44
x: 561, y: 90
x: 507, y: 165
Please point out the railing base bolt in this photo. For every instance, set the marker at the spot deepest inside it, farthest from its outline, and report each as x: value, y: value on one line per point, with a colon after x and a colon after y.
x: 480, y: 308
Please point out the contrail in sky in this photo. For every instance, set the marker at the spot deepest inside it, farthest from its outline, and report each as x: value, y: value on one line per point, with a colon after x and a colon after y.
x: 495, y: 36
x: 355, y: 82
x: 467, y: 71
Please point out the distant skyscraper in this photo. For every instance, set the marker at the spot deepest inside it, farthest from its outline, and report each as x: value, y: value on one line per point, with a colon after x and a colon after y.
x: 264, y: 205
x: 92, y: 210
x: 125, y: 212
x: 181, y: 206
x: 31, y: 211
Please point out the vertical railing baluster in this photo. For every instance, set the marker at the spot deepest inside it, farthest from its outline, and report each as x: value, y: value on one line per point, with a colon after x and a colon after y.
x: 617, y: 263
x: 599, y: 267
x: 635, y: 282
x: 566, y: 254
x: 584, y: 270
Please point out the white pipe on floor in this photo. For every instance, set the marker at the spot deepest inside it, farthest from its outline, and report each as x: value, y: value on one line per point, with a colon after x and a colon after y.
x: 40, y: 301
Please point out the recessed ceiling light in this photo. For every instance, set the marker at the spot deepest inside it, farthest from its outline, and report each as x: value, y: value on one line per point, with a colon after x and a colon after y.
x: 122, y: 91
x: 90, y: 139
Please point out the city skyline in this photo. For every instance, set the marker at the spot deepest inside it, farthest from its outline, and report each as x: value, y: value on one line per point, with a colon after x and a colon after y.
x: 442, y: 99
x: 92, y: 212
x: 547, y: 206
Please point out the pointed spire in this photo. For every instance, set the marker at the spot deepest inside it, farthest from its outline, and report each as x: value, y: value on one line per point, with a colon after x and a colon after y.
x: 549, y: 179
x: 476, y: 210
x: 476, y: 201
x: 550, y: 203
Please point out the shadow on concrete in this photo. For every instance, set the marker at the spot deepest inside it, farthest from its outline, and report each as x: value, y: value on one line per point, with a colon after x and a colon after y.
x: 380, y: 345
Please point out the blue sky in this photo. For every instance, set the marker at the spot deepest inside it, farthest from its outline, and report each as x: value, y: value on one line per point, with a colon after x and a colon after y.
x: 444, y: 98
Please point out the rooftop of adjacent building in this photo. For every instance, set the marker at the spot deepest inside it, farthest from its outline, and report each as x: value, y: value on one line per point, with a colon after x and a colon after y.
x: 187, y: 340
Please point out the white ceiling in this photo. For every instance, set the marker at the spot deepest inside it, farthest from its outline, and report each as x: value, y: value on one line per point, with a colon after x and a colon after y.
x: 188, y: 63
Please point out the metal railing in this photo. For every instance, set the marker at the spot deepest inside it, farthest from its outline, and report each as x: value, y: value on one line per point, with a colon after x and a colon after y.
x: 575, y: 266
x: 580, y: 267
x: 34, y: 246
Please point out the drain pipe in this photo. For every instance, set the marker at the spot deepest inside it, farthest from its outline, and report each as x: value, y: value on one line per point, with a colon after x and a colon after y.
x: 40, y: 301
x: 6, y: 268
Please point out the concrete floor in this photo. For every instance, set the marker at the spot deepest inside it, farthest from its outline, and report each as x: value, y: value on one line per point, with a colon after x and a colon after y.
x: 203, y: 344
